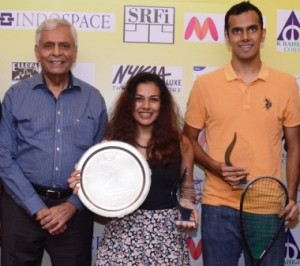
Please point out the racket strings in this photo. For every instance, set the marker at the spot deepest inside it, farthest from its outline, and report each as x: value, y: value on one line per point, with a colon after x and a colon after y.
x: 265, y: 196
x: 263, y: 202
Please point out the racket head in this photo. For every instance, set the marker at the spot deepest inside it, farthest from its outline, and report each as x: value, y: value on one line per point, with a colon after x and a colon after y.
x: 262, y: 201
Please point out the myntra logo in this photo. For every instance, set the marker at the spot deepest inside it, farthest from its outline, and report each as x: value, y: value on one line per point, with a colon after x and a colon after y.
x: 201, y: 31
x: 204, y: 27
x: 195, y: 249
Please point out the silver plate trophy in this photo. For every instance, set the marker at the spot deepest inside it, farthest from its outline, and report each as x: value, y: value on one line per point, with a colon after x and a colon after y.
x: 185, y: 213
x: 115, y: 179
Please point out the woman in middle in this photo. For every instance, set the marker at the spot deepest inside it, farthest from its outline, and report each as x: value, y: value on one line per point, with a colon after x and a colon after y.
x: 146, y: 116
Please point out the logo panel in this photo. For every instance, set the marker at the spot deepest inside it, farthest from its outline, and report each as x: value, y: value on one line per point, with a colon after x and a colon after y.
x: 194, y: 247
x: 171, y: 75
x: 298, y: 81
x: 201, y: 70
x: 292, y: 252
x: 23, y: 70
x: 204, y: 28
x: 149, y: 24
x: 288, y: 31
x: 82, y: 21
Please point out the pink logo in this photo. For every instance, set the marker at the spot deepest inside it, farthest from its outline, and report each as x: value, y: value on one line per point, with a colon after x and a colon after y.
x: 195, y: 251
x: 201, y: 31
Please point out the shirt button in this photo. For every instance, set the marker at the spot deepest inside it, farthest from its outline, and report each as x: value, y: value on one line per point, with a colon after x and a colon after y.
x: 57, y: 149
x: 58, y: 112
x: 56, y: 168
x: 58, y: 131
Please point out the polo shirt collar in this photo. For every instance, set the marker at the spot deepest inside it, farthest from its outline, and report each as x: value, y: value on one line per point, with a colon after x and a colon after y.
x: 231, y: 75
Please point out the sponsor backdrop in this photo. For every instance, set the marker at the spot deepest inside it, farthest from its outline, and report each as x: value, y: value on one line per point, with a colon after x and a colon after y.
x: 178, y: 40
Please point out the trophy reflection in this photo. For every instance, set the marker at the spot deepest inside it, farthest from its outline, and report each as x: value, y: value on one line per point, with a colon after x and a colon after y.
x: 239, y: 153
x: 176, y: 193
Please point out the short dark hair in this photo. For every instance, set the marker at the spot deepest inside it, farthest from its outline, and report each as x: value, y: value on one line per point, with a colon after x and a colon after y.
x: 241, y: 8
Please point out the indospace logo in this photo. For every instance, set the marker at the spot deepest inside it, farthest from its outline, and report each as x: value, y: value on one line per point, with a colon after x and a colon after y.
x: 19, y: 20
x: 204, y: 27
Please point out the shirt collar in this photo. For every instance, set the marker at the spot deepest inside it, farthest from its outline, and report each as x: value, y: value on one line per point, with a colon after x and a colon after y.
x: 231, y: 75
x: 38, y: 81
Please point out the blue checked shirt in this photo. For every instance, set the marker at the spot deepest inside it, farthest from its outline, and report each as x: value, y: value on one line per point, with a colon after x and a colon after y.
x: 42, y: 138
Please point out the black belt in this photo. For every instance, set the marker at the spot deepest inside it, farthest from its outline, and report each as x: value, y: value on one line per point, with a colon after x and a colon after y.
x: 52, y: 193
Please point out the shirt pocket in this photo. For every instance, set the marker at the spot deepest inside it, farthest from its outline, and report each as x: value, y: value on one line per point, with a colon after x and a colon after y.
x: 27, y: 127
x: 84, y: 131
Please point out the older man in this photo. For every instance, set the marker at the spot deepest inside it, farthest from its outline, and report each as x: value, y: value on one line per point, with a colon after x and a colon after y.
x: 49, y: 120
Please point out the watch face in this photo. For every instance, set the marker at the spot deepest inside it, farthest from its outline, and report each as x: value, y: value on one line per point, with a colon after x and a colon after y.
x: 115, y: 179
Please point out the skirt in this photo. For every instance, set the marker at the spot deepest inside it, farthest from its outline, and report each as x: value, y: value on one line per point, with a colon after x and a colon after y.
x: 145, y: 237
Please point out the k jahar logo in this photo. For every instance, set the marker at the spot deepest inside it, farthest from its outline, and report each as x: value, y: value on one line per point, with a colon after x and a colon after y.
x: 292, y: 252
x: 24, y: 70
x: 288, y: 31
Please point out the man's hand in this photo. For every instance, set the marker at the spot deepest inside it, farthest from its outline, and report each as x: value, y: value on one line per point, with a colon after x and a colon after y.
x: 232, y: 175
x: 55, y: 219
x: 291, y: 211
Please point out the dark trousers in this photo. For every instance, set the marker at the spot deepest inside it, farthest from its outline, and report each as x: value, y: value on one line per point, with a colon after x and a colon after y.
x: 1, y: 191
x: 24, y: 242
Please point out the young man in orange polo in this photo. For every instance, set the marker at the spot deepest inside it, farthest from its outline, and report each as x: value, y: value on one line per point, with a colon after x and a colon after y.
x: 251, y: 104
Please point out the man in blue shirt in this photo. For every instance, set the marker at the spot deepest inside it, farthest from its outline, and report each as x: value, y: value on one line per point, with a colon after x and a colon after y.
x: 49, y: 121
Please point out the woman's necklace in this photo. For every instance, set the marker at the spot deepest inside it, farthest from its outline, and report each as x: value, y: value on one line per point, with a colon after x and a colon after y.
x: 143, y: 146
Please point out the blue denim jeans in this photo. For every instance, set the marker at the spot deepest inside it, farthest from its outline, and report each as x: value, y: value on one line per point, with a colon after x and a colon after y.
x: 222, y: 240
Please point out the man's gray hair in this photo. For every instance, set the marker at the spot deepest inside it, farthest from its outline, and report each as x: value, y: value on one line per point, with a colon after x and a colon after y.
x: 52, y: 24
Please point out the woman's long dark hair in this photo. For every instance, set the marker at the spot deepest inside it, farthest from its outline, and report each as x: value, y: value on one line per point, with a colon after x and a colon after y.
x: 164, y: 143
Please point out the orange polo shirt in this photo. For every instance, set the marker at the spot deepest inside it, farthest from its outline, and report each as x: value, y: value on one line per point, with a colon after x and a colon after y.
x: 224, y: 106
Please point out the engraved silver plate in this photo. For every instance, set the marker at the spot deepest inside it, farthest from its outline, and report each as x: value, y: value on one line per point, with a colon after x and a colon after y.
x: 115, y: 179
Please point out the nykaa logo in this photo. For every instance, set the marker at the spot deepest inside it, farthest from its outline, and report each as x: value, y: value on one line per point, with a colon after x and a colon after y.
x: 204, y: 27
x: 172, y: 75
